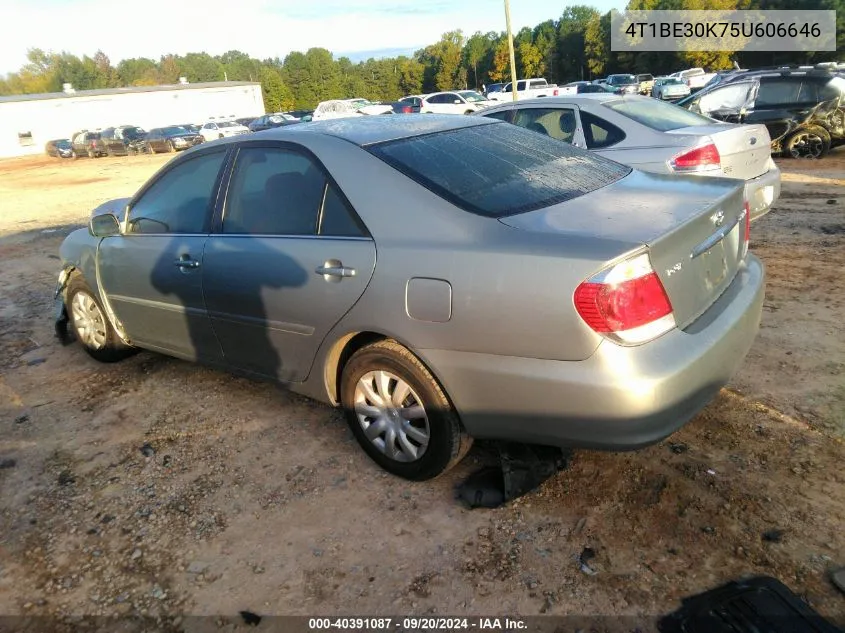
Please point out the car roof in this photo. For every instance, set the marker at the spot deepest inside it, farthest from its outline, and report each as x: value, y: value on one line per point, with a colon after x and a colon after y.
x: 367, y: 130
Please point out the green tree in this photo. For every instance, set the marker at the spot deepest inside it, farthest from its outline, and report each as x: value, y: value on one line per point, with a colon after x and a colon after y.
x: 501, y: 62
x: 200, y: 67
x: 136, y: 72
x: 474, y: 52
x: 530, y: 60
x: 597, y: 44
x: 277, y: 96
x: 572, y: 58
x: 411, y: 74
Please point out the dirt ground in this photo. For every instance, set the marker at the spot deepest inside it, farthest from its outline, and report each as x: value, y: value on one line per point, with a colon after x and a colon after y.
x: 158, y: 487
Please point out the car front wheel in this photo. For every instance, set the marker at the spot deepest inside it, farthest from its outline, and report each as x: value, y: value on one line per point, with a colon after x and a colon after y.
x: 399, y: 414
x: 91, y: 326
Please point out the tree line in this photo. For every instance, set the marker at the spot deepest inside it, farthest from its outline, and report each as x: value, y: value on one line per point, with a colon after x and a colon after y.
x: 576, y: 46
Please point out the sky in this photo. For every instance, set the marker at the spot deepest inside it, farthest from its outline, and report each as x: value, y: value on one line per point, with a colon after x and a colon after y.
x: 260, y: 28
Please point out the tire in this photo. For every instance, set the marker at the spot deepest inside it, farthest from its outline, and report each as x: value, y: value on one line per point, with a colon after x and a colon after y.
x: 219, y: 136
x: 811, y: 142
x: 469, y: 111
x: 91, y: 326
x: 91, y: 153
x: 436, y: 434
x: 171, y: 147
x: 73, y: 154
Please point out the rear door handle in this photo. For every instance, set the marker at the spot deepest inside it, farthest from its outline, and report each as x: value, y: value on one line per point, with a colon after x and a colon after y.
x: 185, y: 262
x: 334, y: 270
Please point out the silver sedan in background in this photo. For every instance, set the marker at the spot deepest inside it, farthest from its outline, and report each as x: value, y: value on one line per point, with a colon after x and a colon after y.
x: 440, y: 278
x: 655, y: 136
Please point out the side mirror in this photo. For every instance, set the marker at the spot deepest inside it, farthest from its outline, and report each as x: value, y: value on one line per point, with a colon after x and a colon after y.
x: 105, y: 225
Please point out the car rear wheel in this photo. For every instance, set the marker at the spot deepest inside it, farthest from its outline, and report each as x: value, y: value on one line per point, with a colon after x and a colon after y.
x: 171, y: 147
x: 91, y: 153
x: 399, y: 414
x: 811, y: 142
x: 91, y: 325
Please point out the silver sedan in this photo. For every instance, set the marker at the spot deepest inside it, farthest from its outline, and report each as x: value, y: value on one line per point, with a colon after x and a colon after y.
x: 440, y: 278
x: 655, y: 136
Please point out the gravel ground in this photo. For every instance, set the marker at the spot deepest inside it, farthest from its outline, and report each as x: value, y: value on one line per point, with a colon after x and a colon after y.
x: 156, y: 487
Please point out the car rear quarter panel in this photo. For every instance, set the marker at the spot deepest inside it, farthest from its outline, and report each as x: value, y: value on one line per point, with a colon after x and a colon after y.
x: 511, y: 290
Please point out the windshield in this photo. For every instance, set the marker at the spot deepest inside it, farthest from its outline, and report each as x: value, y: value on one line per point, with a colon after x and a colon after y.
x: 658, y: 115
x: 174, y: 129
x: 472, y: 95
x: 360, y: 103
x: 228, y: 124
x: 498, y: 169
x: 672, y: 81
x: 618, y: 80
x: 133, y: 132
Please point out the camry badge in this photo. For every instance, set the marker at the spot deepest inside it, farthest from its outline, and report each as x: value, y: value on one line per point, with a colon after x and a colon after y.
x: 718, y: 218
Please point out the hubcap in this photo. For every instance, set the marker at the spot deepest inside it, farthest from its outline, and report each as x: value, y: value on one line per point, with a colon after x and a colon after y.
x: 88, y: 320
x: 807, y: 146
x: 392, y: 416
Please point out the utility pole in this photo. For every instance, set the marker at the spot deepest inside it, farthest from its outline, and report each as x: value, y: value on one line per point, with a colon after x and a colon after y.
x: 510, y: 47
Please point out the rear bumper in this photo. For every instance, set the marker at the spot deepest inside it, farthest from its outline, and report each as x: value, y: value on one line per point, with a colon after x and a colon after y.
x: 621, y: 398
x: 763, y: 191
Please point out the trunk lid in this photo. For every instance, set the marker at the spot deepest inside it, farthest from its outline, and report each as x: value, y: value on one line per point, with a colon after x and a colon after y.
x: 691, y: 225
x: 744, y: 149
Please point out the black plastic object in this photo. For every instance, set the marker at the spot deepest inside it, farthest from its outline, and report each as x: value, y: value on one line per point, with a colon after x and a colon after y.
x: 523, y: 468
x: 756, y: 605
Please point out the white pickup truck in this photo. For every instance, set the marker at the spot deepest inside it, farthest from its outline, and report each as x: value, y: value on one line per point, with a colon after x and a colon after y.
x: 526, y: 89
x: 695, y: 78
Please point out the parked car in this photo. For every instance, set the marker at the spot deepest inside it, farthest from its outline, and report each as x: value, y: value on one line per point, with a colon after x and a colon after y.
x: 88, y: 144
x: 646, y: 82
x: 584, y: 87
x: 454, y: 102
x: 406, y: 106
x: 488, y: 90
x: 526, y: 89
x: 221, y: 129
x: 60, y: 148
x: 695, y: 78
x: 245, y: 121
x: 171, y: 139
x: 269, y: 121
x: 124, y: 140
x: 299, y: 114
x: 803, y: 110
x: 623, y: 84
x: 622, y: 300
x: 345, y: 108
x: 656, y: 137
x: 669, y: 88
x: 190, y: 127
x: 415, y: 101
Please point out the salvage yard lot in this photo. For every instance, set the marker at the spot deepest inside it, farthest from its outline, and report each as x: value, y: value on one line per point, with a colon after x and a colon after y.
x: 160, y: 487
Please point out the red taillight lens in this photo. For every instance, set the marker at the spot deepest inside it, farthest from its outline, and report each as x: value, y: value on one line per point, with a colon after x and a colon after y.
x: 704, y: 157
x: 554, y: 92
x: 628, y: 302
x: 406, y: 109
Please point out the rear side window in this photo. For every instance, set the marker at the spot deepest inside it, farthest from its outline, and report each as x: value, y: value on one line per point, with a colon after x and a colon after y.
x: 658, y: 115
x: 599, y: 133
x: 498, y: 169
x: 778, y: 92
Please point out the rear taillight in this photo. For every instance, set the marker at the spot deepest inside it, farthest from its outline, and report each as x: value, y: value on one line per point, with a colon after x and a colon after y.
x: 406, y: 109
x: 554, y: 92
x: 702, y: 158
x: 626, y: 303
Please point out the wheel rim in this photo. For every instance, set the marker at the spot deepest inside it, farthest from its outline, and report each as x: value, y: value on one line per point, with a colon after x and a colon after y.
x: 88, y: 320
x: 806, y: 146
x: 392, y: 416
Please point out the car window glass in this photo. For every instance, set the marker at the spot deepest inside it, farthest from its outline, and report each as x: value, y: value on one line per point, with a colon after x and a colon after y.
x: 732, y: 97
x: 559, y: 123
x: 274, y: 191
x: 337, y: 218
x: 777, y: 93
x: 809, y: 92
x: 181, y: 200
x: 502, y: 115
x: 599, y: 133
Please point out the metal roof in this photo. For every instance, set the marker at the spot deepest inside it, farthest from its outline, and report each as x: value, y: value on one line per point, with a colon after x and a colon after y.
x: 121, y: 91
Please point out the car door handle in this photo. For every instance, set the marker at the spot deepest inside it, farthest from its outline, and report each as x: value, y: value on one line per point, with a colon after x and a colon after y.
x: 334, y: 270
x: 187, y: 263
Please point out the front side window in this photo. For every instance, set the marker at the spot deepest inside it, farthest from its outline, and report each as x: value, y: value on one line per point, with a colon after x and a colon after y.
x: 774, y: 93
x: 181, y: 200
x: 559, y: 123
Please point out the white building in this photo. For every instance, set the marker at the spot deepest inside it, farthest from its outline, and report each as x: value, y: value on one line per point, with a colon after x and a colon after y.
x: 27, y: 122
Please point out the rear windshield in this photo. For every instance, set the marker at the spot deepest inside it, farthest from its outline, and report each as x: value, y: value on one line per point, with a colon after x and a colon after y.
x: 658, y: 115
x: 499, y: 169
x: 618, y: 80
